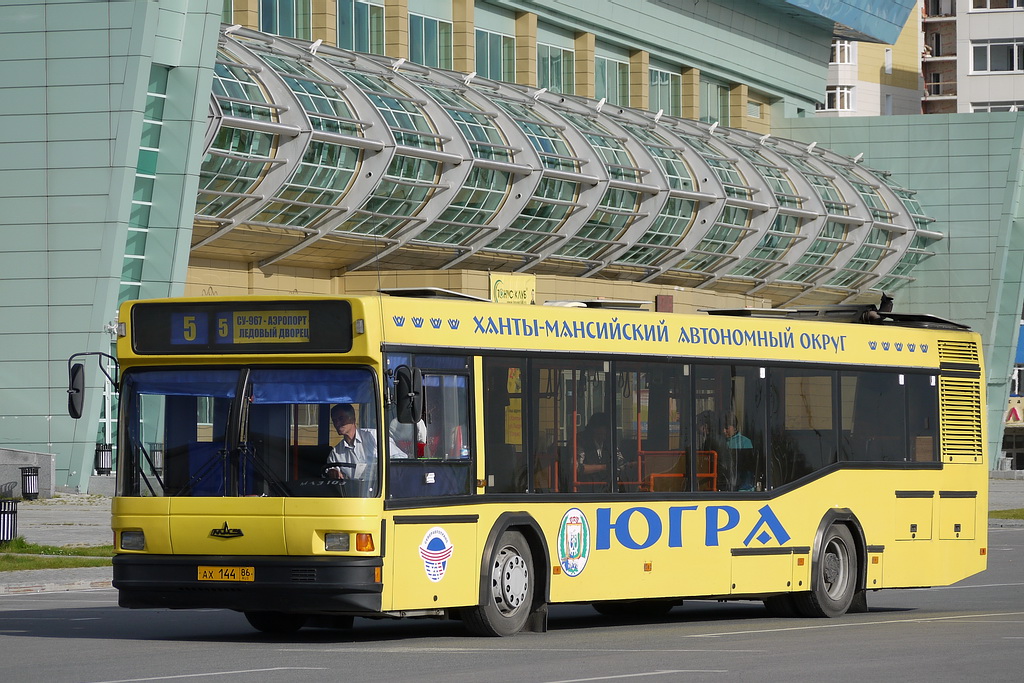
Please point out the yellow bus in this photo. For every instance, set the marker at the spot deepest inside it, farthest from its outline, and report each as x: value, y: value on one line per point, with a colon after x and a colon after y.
x: 307, y: 460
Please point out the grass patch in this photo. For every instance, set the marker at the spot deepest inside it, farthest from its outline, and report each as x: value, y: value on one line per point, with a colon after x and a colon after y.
x: 20, y: 555
x: 23, y: 547
x: 17, y: 563
x: 1007, y: 514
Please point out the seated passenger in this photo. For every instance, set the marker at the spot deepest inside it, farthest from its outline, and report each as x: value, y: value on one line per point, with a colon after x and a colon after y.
x: 408, y: 439
x: 594, y: 451
x: 741, y: 455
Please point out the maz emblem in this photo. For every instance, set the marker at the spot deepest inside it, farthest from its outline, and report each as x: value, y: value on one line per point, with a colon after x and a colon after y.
x: 226, y: 532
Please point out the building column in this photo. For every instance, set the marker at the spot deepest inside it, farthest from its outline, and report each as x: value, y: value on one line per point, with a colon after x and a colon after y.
x: 463, y: 36
x: 639, y: 79
x: 396, y: 28
x: 691, y: 93
x: 737, y: 106
x: 586, y: 51
x: 526, y: 49
x: 325, y: 21
x: 247, y: 13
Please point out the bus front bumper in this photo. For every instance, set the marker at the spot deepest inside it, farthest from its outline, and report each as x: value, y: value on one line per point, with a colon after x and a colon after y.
x: 306, y: 585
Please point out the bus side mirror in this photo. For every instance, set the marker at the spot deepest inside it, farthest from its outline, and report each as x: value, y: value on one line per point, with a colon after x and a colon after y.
x: 409, y: 384
x: 76, y: 390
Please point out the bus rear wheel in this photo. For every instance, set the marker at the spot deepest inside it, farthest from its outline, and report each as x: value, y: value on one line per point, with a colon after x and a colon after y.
x: 835, y: 576
x: 278, y: 623
x: 510, y: 587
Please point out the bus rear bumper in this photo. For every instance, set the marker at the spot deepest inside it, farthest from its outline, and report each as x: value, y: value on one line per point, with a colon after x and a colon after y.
x: 306, y: 585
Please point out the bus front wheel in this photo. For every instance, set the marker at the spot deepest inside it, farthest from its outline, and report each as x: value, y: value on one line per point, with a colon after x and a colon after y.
x: 279, y: 623
x: 509, y: 591
x: 835, y: 576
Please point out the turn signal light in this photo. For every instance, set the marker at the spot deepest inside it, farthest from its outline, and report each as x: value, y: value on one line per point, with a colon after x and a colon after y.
x: 984, y: 551
x: 364, y: 543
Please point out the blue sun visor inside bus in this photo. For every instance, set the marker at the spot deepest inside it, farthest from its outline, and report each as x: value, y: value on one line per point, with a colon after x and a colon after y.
x: 219, y: 383
x: 314, y: 385
x: 269, y: 386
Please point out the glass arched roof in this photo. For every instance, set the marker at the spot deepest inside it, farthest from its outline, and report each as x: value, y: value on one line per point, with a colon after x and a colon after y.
x: 321, y: 158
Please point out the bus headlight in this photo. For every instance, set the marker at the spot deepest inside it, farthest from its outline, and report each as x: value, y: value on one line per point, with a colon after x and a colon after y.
x: 336, y: 542
x: 133, y: 540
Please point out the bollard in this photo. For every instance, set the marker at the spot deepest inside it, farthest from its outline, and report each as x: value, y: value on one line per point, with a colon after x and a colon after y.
x: 29, y: 483
x: 103, y: 458
x: 8, y: 521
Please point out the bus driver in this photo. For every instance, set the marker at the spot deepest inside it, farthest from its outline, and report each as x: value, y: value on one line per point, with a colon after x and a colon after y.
x: 355, y: 457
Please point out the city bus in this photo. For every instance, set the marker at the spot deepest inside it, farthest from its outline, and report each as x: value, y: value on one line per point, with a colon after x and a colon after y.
x: 513, y: 457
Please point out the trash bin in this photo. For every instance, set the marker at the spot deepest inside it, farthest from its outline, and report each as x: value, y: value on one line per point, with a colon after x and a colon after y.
x: 103, y: 456
x: 29, y: 483
x: 8, y: 520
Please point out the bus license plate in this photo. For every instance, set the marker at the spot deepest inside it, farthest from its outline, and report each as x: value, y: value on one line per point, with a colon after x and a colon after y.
x: 227, y: 573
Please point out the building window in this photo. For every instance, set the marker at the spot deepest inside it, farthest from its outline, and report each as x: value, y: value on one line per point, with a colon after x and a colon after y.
x: 612, y: 81
x: 495, y: 56
x: 666, y: 93
x: 838, y: 98
x: 842, y: 52
x: 361, y: 26
x: 996, y: 4
x: 430, y: 41
x: 755, y: 110
x: 227, y: 12
x: 714, y: 102
x: 998, y: 56
x: 888, y: 60
x: 997, y: 106
x: 288, y: 18
x: 556, y: 69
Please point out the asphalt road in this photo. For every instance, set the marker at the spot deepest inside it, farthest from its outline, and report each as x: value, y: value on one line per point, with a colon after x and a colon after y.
x: 973, y: 630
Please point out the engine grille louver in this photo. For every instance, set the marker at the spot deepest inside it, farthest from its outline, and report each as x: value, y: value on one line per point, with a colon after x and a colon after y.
x: 960, y: 402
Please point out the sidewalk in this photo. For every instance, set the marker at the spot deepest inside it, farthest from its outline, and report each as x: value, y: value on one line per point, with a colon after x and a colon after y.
x: 68, y: 519
x: 84, y: 520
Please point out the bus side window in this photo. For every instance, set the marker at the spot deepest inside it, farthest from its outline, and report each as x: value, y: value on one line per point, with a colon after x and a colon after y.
x: 801, y: 418
x: 923, y: 417
x: 504, y: 425
x: 435, y: 455
x: 879, y: 424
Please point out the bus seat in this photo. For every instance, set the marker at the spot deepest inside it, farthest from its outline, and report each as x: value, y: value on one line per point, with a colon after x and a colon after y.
x: 670, y: 465
x: 546, y: 473
x: 662, y: 481
x: 707, y: 470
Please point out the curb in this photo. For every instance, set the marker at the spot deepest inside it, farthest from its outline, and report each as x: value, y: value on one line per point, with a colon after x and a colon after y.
x: 52, y: 587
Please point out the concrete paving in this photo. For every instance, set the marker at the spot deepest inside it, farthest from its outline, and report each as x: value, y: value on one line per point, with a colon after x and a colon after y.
x: 71, y: 519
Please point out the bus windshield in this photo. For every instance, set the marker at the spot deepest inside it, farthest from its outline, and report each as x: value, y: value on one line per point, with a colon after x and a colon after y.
x: 248, y: 432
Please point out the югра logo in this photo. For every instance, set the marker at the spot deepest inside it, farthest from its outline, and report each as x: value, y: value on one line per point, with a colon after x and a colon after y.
x: 573, y: 542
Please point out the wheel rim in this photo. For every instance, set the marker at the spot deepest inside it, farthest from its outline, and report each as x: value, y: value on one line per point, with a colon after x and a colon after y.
x: 835, y: 568
x: 510, y: 580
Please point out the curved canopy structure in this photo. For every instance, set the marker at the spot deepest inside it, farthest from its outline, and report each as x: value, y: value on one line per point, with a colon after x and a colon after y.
x: 321, y: 158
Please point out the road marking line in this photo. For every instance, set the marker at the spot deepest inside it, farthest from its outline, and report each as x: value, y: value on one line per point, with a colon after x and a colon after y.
x: 851, y: 625
x: 643, y: 674
x: 218, y: 673
x: 476, y: 650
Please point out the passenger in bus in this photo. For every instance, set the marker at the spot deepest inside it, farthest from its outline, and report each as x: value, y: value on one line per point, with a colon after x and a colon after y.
x: 741, y: 455
x: 354, y: 459
x: 403, y: 435
x: 594, y: 451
